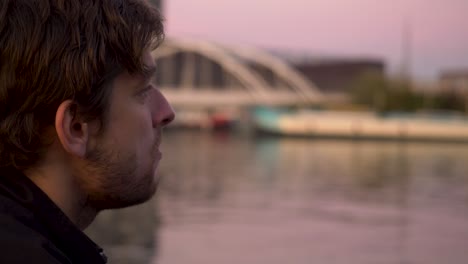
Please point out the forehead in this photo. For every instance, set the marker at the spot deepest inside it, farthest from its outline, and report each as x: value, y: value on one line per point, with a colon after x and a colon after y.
x: 134, y: 81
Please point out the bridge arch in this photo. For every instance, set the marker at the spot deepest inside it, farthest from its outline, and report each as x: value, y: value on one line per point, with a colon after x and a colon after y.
x: 237, y: 62
x: 247, y: 78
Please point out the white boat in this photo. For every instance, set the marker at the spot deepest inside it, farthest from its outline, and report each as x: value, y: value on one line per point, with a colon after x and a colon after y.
x: 361, y: 125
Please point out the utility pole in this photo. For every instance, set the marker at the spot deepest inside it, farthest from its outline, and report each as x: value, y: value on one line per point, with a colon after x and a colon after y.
x: 406, y: 52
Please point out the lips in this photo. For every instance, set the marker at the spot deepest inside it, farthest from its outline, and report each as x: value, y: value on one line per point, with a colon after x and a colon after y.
x: 156, y: 152
x: 158, y: 155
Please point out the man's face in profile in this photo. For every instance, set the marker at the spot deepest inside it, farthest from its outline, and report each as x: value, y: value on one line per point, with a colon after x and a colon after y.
x: 122, y: 161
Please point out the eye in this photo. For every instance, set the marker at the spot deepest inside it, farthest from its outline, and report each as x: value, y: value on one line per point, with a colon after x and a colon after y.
x: 144, y: 94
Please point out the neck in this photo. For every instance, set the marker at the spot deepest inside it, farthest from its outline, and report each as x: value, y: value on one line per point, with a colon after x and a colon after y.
x: 59, y: 184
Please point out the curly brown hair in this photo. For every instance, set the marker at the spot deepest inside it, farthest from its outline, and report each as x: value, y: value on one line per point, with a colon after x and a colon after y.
x: 55, y: 50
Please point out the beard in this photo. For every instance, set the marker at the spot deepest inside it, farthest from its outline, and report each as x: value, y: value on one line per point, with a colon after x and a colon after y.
x: 115, y: 179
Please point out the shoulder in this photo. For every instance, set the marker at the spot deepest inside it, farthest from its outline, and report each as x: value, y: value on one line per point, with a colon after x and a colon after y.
x: 20, y: 243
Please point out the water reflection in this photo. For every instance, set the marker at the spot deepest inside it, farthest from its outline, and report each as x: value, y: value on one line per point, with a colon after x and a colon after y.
x: 233, y: 199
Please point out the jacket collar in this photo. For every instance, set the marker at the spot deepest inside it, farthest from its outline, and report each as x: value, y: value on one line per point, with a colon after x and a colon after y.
x: 58, y: 227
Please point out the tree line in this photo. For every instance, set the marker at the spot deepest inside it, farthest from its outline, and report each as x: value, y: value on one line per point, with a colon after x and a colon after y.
x: 383, y: 94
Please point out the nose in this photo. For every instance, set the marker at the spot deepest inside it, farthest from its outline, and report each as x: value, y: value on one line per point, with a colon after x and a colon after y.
x: 162, y: 111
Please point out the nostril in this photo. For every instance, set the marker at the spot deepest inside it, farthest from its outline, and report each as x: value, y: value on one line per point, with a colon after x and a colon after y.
x: 168, y: 119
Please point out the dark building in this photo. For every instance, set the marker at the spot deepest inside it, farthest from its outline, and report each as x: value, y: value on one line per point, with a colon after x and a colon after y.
x: 333, y: 74
x: 338, y: 76
x: 454, y: 81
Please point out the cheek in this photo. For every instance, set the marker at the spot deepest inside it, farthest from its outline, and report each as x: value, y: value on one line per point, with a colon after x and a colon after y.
x: 138, y: 121
x: 132, y: 129
x: 144, y: 133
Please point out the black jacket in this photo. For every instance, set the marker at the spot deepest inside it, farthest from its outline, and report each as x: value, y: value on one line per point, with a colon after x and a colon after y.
x: 34, y: 230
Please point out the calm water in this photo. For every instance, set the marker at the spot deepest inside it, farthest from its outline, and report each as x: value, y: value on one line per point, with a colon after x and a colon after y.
x: 233, y: 199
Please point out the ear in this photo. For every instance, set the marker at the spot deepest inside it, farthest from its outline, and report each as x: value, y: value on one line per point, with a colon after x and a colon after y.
x: 72, y: 132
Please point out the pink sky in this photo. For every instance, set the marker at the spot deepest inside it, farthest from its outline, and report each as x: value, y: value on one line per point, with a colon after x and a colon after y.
x: 343, y: 27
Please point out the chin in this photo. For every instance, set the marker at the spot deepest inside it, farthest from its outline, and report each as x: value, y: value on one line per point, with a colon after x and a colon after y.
x: 142, y: 194
x: 123, y: 184
x: 126, y: 201
x: 125, y: 195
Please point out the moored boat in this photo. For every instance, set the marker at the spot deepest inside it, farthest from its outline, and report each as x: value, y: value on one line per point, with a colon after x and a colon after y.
x: 361, y: 125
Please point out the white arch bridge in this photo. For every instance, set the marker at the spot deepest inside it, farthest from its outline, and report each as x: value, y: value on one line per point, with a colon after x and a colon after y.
x: 202, y: 74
